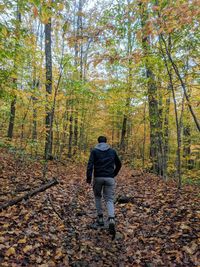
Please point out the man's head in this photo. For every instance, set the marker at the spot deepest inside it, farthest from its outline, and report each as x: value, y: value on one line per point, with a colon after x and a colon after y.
x: 102, y: 139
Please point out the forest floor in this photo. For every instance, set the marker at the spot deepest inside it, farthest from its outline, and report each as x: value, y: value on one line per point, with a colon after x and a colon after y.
x: 159, y: 227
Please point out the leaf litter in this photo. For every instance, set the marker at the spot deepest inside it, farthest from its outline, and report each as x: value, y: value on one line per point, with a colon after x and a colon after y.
x: 159, y: 226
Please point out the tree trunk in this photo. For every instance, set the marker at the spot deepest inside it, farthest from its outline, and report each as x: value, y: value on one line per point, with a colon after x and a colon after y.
x: 64, y: 133
x: 113, y: 131
x: 166, y: 133
x: 12, y: 118
x: 144, y: 138
x: 34, y: 129
x: 178, y: 125
x: 154, y: 118
x: 13, y: 102
x: 49, y: 117
x: 70, y: 135
x: 187, y: 145
x: 123, y: 134
x: 78, y: 63
x: 75, y: 133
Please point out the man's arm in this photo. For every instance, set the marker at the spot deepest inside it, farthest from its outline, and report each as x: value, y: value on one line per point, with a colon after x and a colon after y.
x: 117, y: 164
x: 90, y: 166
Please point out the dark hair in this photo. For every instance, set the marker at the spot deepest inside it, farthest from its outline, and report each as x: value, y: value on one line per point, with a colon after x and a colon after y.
x: 102, y: 139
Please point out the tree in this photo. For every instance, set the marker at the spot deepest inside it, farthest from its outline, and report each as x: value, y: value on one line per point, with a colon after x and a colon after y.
x: 49, y: 114
x: 13, y: 102
x: 156, y: 145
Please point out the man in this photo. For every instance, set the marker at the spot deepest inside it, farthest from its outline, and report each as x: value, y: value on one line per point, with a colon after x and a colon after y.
x: 106, y: 164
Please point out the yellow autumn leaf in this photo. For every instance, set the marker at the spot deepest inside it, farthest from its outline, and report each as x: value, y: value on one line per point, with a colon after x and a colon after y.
x: 48, y: 253
x: 60, y: 6
x: 4, y: 31
x: 27, y: 248
x: 2, y: 7
x: 2, y: 239
x: 22, y: 241
x: 59, y: 253
x: 10, y: 251
x: 184, y: 227
x: 5, y: 225
x: 26, y: 217
x: 61, y: 227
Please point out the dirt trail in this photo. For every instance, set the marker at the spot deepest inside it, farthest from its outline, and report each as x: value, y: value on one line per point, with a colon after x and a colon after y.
x: 158, y: 228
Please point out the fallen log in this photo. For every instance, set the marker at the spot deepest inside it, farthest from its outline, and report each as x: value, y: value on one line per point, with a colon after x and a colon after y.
x: 124, y: 199
x: 34, y: 192
x: 127, y: 199
x: 133, y: 200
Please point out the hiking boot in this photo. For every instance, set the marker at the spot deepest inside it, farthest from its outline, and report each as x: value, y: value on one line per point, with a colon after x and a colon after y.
x: 100, y: 221
x: 111, y: 226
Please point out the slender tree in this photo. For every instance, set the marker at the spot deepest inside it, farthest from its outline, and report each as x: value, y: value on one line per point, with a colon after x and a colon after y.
x: 13, y: 102
x: 49, y: 117
x: 156, y: 149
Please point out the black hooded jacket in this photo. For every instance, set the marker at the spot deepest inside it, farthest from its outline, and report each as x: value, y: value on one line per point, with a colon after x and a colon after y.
x: 104, y: 161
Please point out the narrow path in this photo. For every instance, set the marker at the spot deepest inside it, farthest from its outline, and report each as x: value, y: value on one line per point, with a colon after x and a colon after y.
x: 160, y: 227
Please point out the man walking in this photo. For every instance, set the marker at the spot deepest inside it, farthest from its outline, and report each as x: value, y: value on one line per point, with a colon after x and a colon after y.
x: 106, y: 165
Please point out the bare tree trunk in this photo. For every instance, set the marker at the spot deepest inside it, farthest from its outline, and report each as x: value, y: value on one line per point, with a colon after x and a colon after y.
x: 75, y: 133
x: 13, y: 102
x: 154, y: 117
x: 78, y: 61
x: 178, y: 125
x: 12, y: 118
x: 113, y: 131
x: 124, y: 136
x: 70, y: 135
x: 144, y: 138
x: 34, y: 129
x: 64, y: 135
x: 166, y: 133
x: 49, y: 117
x: 187, y: 146
x: 23, y: 122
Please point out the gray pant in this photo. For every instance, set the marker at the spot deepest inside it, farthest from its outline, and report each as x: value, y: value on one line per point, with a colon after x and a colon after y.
x: 107, y: 186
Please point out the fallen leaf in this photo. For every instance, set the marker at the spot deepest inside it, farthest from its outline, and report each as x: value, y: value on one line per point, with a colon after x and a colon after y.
x: 27, y: 248
x: 10, y: 251
x: 22, y: 241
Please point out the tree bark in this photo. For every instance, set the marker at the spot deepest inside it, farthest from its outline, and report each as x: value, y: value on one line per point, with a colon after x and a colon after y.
x: 34, y: 128
x: 187, y: 145
x: 13, y: 102
x: 70, y: 135
x: 49, y: 117
x: 166, y: 133
x: 144, y: 138
x: 178, y: 125
x: 124, y: 133
x: 154, y: 118
x: 12, y: 118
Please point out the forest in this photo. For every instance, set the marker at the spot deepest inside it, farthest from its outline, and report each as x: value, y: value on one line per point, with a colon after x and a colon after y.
x: 70, y: 72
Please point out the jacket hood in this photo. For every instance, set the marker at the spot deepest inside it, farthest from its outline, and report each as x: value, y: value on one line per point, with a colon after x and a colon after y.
x: 102, y: 146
